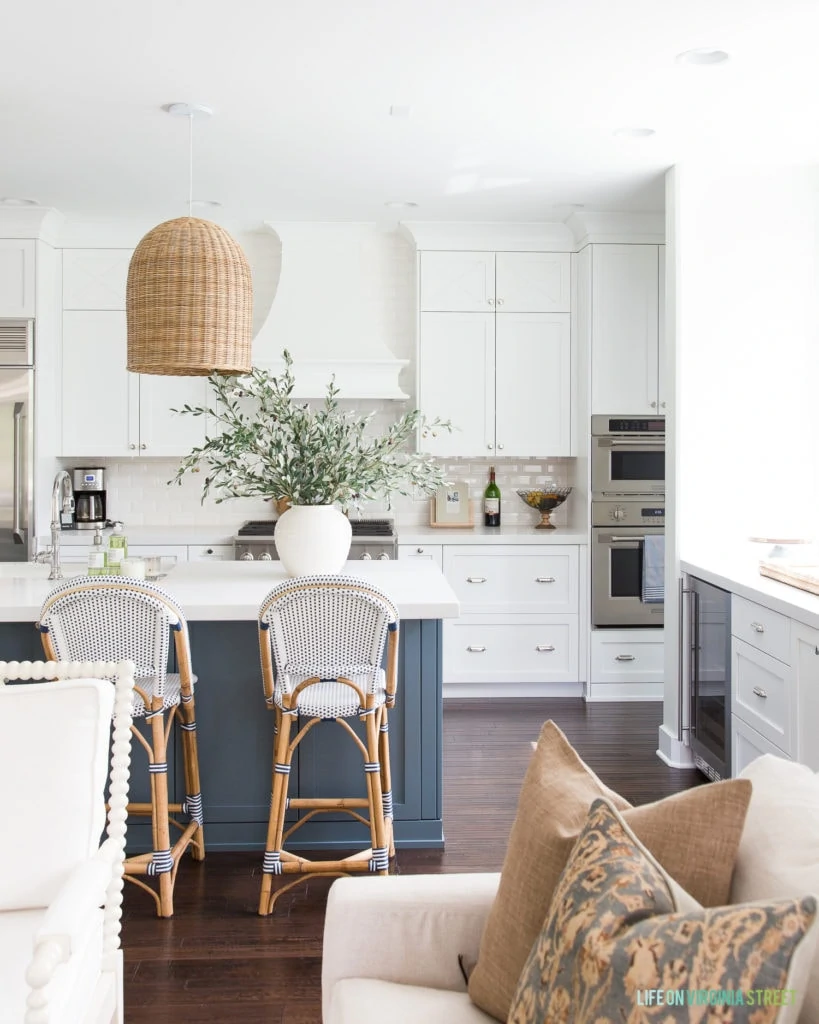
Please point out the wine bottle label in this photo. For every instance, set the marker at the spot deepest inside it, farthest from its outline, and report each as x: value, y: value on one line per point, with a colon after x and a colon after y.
x: 491, y: 506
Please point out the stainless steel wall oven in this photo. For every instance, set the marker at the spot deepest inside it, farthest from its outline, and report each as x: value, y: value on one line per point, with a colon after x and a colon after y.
x: 628, y: 514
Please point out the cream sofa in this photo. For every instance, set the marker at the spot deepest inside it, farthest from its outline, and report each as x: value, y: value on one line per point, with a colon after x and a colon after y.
x: 391, y: 945
x: 391, y: 948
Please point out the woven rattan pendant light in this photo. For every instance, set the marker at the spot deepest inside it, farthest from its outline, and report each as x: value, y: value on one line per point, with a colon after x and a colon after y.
x: 189, y: 300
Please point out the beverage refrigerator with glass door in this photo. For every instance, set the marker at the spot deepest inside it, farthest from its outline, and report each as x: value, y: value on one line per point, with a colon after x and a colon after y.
x: 16, y: 438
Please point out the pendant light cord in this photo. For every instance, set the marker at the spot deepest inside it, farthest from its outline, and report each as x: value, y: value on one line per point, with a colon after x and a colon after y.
x: 190, y: 164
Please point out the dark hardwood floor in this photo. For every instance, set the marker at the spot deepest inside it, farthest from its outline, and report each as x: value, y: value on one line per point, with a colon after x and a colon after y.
x: 217, y: 961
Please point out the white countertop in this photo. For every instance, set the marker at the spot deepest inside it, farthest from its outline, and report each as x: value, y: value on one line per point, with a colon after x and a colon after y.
x: 490, y: 535
x: 737, y: 569
x: 218, y: 533
x: 221, y: 591
x: 213, y: 533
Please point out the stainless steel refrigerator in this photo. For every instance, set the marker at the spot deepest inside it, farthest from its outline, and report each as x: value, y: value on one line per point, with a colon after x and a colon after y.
x: 16, y: 438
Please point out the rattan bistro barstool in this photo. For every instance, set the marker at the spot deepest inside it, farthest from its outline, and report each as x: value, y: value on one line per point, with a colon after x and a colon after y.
x: 111, y: 618
x: 322, y: 642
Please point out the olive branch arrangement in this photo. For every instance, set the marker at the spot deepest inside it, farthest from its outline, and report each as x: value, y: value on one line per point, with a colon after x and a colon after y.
x: 268, y: 445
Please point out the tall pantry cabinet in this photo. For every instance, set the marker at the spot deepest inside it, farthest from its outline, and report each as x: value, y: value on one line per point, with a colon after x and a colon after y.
x: 495, y: 352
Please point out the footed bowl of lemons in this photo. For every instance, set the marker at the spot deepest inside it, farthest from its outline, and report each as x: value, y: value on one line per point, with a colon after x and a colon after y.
x: 545, y: 501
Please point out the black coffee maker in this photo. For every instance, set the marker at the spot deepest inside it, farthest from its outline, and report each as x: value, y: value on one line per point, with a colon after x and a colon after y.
x: 89, y: 498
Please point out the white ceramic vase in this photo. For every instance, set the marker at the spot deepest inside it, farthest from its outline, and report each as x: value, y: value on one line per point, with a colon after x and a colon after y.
x: 313, y: 540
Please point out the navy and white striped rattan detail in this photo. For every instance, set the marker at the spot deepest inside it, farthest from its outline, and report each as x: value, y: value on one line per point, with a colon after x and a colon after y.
x: 380, y: 860
x: 192, y: 806
x: 386, y: 804
x: 272, y: 862
x: 158, y: 767
x: 161, y: 862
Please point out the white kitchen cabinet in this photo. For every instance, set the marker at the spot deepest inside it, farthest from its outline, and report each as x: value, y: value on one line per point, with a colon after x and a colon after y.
x: 519, y: 622
x: 533, y: 384
x: 95, y: 278
x: 210, y: 553
x: 17, y: 257
x: 456, y: 381
x: 762, y: 694
x: 625, y: 330
x: 805, y: 664
x: 107, y: 411
x: 747, y: 745
x: 427, y: 552
x: 503, y: 380
x: 457, y: 282
x: 532, y: 282
x: 627, y: 664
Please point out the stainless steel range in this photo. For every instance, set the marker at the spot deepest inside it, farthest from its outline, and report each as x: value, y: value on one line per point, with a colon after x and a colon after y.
x: 372, y: 539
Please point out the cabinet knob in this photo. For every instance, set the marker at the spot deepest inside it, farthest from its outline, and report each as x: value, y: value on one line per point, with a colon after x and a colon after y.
x: 420, y: 551
x: 132, y: 446
x: 757, y: 627
x: 489, y: 446
x: 143, y: 446
x: 491, y: 302
x: 760, y: 692
x: 662, y: 405
x: 474, y: 649
x: 653, y: 405
x: 500, y: 447
x: 624, y: 657
x: 545, y: 647
x: 500, y: 302
x: 209, y: 551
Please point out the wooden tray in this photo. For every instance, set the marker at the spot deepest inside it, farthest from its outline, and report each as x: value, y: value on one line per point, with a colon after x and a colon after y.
x: 452, y: 526
x: 803, y: 577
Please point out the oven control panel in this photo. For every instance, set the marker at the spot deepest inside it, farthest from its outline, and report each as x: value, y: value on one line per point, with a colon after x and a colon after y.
x: 647, y: 511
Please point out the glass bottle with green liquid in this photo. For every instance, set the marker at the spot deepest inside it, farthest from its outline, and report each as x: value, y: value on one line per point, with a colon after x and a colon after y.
x: 117, y: 549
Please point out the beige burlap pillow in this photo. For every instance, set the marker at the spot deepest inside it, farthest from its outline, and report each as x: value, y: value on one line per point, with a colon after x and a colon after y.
x: 694, y: 835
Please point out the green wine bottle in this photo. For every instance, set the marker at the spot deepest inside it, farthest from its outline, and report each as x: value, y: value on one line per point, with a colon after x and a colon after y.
x: 491, y: 501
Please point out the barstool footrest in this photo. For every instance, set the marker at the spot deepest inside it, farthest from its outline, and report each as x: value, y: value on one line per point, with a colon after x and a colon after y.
x: 327, y: 803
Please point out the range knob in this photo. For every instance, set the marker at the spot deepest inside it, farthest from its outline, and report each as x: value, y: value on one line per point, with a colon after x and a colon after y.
x: 618, y: 513
x: 366, y: 557
x: 266, y: 557
x: 383, y: 557
x: 246, y: 557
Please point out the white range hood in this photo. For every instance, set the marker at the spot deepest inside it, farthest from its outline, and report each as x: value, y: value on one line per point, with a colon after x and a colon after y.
x: 327, y: 309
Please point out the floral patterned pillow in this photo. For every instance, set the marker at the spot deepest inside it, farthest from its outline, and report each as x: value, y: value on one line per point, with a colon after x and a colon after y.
x: 614, y: 949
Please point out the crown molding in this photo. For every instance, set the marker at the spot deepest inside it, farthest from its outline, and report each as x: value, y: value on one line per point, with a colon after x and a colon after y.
x: 545, y: 236
x: 588, y: 227
x: 42, y: 222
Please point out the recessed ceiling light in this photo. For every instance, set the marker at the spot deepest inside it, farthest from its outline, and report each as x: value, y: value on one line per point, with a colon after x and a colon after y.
x: 12, y: 201
x: 705, y: 56
x: 635, y: 133
x: 399, y: 204
x: 205, y: 202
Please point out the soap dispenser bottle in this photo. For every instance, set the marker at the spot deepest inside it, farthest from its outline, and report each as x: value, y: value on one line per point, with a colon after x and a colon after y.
x: 117, y: 549
x: 97, y: 558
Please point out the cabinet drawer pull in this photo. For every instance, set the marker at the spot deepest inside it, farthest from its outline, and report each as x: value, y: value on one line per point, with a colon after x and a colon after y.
x: 419, y: 551
x: 545, y: 647
x: 625, y: 657
x: 757, y: 627
x: 474, y: 649
x: 760, y: 692
x: 476, y: 579
x: 545, y: 579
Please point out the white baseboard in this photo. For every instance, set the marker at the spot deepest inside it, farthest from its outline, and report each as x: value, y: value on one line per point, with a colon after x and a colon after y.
x: 597, y: 698
x: 498, y: 690
x: 672, y: 751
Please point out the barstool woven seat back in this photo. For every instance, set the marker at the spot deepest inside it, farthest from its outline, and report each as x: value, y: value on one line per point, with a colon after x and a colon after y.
x: 322, y: 641
x: 109, y: 618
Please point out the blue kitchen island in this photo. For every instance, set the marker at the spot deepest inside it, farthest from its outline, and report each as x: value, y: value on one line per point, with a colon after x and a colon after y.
x: 234, y: 727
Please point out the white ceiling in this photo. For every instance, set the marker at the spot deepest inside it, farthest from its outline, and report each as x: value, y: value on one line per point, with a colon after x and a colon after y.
x: 513, y: 103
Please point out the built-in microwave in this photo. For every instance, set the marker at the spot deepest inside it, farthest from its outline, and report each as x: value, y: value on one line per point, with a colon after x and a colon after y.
x: 628, y: 455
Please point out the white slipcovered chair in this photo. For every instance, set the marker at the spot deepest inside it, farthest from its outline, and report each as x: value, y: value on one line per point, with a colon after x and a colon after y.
x: 60, y: 884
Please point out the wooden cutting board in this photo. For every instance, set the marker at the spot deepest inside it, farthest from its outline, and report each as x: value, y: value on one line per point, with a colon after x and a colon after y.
x: 803, y: 577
